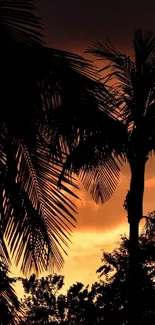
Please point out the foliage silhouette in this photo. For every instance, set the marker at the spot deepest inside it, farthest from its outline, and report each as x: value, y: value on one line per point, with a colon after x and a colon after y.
x: 10, y: 307
x: 106, y: 301
x: 41, y: 302
x: 122, y: 132
x: 19, y: 24
x: 115, y: 271
x: 36, y: 216
x: 45, y: 305
x: 35, y: 87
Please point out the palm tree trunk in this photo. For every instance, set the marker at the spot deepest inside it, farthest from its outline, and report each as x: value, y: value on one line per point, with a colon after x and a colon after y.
x: 135, y: 214
x: 134, y: 283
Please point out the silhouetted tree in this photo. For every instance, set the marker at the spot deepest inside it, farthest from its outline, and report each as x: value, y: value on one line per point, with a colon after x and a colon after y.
x: 10, y: 307
x: 35, y: 83
x: 41, y: 303
x: 106, y: 301
x: 45, y: 305
x: 80, y: 305
x: 124, y: 132
x: 115, y: 271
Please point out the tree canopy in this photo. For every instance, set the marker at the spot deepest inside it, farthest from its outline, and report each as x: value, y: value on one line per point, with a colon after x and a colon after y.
x: 106, y: 300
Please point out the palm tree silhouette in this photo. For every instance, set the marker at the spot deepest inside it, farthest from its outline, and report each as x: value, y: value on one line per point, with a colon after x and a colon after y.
x: 121, y: 132
x: 35, y: 82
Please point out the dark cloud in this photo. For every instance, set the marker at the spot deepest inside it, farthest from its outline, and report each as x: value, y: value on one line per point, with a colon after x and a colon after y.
x: 76, y: 23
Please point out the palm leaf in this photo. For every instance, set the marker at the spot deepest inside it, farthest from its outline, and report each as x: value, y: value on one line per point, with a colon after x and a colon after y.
x: 10, y: 306
x: 43, y: 95
x: 82, y: 120
x: 38, y: 216
x: 19, y: 24
x: 144, y: 48
x: 102, y: 180
x: 95, y: 158
x: 37, y: 225
x: 133, y: 80
x: 120, y: 72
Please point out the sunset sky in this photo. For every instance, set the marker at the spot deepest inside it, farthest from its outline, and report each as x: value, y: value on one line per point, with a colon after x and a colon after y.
x: 73, y: 25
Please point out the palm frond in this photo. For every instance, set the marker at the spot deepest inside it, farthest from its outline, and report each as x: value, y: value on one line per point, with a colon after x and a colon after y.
x: 144, y: 49
x: 38, y: 216
x: 116, y: 61
x: 133, y: 80
x: 50, y: 93
x: 120, y: 71
x: 4, y: 255
x: 95, y: 158
x: 11, y: 310
x: 19, y: 24
x: 101, y: 181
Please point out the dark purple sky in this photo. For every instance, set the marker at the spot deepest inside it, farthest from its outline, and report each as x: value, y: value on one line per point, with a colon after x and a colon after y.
x: 74, y: 24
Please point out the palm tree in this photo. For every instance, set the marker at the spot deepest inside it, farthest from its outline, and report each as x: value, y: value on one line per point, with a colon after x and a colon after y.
x: 36, y: 83
x: 114, y: 271
x: 122, y: 132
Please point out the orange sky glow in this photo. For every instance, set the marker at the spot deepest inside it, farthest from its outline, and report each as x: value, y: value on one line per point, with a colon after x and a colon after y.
x: 99, y: 227
x: 73, y: 26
